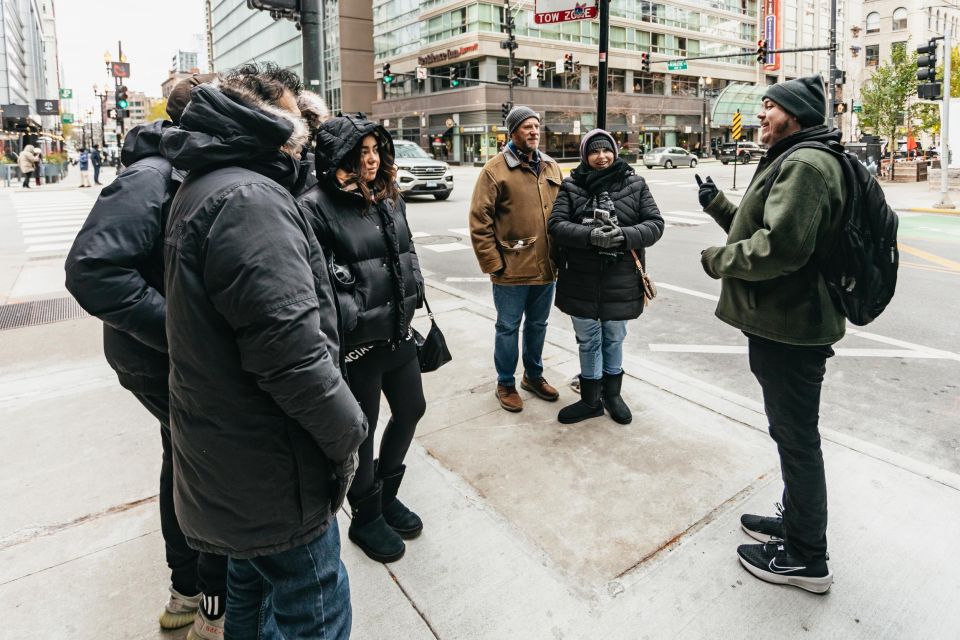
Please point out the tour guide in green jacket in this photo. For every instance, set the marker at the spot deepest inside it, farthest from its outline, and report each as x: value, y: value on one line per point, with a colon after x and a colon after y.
x: 773, y: 291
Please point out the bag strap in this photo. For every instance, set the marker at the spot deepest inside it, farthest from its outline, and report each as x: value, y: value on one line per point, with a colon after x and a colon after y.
x: 639, y: 264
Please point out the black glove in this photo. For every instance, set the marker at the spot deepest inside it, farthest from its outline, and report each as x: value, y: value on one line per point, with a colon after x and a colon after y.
x: 708, y: 190
x: 607, y: 237
x: 343, y: 474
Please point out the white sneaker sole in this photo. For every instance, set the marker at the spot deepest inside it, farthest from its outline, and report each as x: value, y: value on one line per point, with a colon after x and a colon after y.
x: 756, y: 535
x: 813, y: 585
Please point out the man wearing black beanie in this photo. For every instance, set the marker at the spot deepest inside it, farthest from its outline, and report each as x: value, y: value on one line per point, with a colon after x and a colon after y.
x: 773, y: 291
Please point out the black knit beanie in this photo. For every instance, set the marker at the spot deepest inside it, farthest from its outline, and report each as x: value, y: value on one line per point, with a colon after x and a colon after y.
x: 802, y: 97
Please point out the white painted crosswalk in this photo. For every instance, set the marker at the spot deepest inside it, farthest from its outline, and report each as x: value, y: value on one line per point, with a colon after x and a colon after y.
x: 49, y: 222
x: 685, y: 218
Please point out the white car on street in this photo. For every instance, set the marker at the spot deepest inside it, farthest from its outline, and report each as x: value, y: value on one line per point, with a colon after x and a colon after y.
x: 669, y: 157
x: 420, y: 175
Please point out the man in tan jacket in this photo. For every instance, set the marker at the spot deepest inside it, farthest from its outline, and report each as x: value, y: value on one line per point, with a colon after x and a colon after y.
x: 511, y: 202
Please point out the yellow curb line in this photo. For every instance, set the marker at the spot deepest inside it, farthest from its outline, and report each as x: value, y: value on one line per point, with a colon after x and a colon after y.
x: 930, y: 257
x: 946, y: 212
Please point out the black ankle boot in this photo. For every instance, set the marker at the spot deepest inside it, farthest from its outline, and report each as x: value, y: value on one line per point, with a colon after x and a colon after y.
x: 370, y: 532
x: 612, y: 400
x: 398, y: 516
x: 588, y: 406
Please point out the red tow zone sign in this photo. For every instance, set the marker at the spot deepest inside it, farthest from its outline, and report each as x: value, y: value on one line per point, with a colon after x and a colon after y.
x: 550, y: 11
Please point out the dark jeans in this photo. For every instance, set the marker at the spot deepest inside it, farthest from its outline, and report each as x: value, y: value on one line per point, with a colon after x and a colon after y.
x: 791, y: 378
x: 26, y: 178
x: 513, y: 303
x: 299, y: 594
x: 96, y: 173
x: 397, y: 374
x: 190, y: 571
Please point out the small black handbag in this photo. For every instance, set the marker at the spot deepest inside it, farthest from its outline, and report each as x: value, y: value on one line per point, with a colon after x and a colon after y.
x: 432, y: 350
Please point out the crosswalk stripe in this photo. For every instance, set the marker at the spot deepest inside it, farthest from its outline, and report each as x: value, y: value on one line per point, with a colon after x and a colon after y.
x: 49, y: 224
x: 462, y: 232
x: 60, y: 237
x: 43, y: 248
x: 685, y: 221
x: 445, y: 248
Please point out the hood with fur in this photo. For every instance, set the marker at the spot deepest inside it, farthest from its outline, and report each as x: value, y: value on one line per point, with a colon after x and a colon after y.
x: 338, y: 136
x: 143, y: 141
x: 226, y: 125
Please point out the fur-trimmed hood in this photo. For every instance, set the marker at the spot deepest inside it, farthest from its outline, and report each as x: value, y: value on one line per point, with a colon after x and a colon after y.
x: 226, y: 125
x: 339, y: 135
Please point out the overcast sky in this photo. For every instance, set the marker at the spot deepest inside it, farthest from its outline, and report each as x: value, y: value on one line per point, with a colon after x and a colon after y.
x: 151, y: 31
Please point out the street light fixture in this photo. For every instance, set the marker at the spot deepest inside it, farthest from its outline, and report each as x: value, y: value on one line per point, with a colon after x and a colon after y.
x: 704, y: 135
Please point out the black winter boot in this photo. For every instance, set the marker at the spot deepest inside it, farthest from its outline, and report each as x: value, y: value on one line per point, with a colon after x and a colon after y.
x: 588, y: 406
x: 398, y: 516
x: 370, y: 532
x: 612, y: 401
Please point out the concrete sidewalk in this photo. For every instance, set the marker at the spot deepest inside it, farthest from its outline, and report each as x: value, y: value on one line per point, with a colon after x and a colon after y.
x: 532, y: 529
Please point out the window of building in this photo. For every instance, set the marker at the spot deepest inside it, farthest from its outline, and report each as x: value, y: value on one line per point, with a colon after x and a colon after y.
x: 872, y: 54
x: 899, y: 19
x: 873, y: 22
x: 684, y: 86
x: 648, y: 83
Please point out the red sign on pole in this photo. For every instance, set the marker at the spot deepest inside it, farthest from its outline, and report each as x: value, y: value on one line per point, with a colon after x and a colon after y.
x: 550, y: 11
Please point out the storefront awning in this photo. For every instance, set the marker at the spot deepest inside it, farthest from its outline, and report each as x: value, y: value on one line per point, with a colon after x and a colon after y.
x: 743, y: 97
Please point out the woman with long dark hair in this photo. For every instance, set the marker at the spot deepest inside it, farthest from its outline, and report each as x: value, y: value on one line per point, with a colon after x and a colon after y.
x: 360, y: 220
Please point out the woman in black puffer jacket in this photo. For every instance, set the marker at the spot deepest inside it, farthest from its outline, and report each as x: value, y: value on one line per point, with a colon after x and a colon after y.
x: 603, y: 211
x: 360, y: 220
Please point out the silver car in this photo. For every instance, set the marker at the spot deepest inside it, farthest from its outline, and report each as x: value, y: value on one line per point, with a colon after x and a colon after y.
x: 418, y: 174
x: 669, y: 157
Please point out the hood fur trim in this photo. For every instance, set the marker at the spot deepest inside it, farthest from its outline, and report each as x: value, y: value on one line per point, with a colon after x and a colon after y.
x: 300, y: 135
x: 310, y: 102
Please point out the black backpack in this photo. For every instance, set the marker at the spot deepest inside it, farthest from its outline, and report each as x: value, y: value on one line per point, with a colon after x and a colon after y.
x: 860, y: 268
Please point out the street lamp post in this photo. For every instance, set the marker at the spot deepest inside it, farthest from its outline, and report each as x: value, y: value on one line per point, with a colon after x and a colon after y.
x: 705, y: 130
x: 102, y: 94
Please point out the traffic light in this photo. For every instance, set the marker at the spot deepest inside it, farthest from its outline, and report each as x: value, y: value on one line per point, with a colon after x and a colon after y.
x: 929, y: 88
x: 761, y: 51
x: 541, y: 72
x: 387, y: 74
x: 568, y: 63
x: 644, y: 62
x: 518, y: 75
x: 839, y: 108
x: 454, y: 77
x: 505, y: 108
x: 123, y: 98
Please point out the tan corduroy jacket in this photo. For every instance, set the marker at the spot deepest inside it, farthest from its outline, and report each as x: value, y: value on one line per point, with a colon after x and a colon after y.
x: 508, y: 219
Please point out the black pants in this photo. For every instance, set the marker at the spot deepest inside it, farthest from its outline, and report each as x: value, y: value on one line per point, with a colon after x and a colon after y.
x: 190, y: 571
x: 397, y: 374
x: 26, y: 178
x: 791, y: 378
x: 96, y: 174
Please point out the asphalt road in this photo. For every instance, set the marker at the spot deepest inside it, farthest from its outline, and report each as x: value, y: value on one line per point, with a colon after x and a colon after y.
x: 894, y: 383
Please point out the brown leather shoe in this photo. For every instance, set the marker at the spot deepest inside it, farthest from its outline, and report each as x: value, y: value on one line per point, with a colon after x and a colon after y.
x: 540, y: 388
x: 509, y: 398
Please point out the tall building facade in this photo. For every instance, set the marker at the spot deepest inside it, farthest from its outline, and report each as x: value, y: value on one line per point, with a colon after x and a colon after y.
x: 28, y: 66
x: 672, y: 105
x: 184, y: 62
x: 240, y: 35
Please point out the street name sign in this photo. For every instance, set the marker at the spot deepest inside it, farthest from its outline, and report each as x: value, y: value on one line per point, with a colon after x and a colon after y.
x: 676, y: 65
x: 550, y: 11
x: 66, y: 118
x: 736, y: 131
x: 857, y: 108
x: 66, y: 94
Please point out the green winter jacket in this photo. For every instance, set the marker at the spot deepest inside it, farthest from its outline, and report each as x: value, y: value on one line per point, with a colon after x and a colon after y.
x: 771, y: 286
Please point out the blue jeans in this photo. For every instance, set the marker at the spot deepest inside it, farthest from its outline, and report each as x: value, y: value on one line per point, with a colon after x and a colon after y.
x: 601, y: 346
x: 299, y: 594
x: 512, y: 303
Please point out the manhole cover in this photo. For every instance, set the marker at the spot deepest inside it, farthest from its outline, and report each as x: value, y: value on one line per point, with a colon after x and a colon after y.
x: 437, y: 240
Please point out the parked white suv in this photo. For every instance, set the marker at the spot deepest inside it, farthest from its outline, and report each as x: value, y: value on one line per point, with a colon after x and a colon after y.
x: 420, y: 175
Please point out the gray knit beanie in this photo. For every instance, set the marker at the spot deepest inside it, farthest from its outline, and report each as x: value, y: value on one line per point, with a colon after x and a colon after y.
x: 518, y: 115
x: 594, y: 139
x: 802, y: 97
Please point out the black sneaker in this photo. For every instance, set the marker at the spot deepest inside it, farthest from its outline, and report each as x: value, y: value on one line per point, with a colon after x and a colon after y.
x: 772, y: 563
x: 764, y: 528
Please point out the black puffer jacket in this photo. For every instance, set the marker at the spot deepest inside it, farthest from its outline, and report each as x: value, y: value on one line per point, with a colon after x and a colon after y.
x: 590, y: 285
x: 257, y: 402
x: 115, y: 267
x: 373, y: 243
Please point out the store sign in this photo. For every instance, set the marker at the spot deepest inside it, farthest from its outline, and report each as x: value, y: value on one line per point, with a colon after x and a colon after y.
x: 48, y: 107
x: 474, y: 129
x: 771, y: 33
x: 449, y: 54
x: 66, y: 94
x: 550, y: 11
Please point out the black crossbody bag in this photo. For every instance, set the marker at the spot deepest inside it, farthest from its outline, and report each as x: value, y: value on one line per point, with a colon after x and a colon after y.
x: 432, y: 349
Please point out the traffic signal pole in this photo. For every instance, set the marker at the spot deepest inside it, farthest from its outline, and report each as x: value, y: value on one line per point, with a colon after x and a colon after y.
x: 310, y: 38
x: 116, y: 89
x: 945, y: 202
x: 604, y: 7
x: 511, y: 45
x: 832, y: 81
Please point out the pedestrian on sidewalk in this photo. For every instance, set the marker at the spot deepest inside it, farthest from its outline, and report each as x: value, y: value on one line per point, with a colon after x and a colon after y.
x: 512, y: 200
x: 84, y: 163
x: 97, y: 159
x: 265, y: 430
x: 38, y: 169
x: 115, y: 271
x: 603, y: 216
x: 27, y: 161
x: 773, y: 291
x: 361, y: 222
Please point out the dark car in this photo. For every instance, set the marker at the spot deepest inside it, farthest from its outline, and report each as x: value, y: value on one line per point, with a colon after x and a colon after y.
x: 745, y: 152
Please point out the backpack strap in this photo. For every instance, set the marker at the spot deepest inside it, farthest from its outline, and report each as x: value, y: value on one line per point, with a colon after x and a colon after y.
x: 812, y: 144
